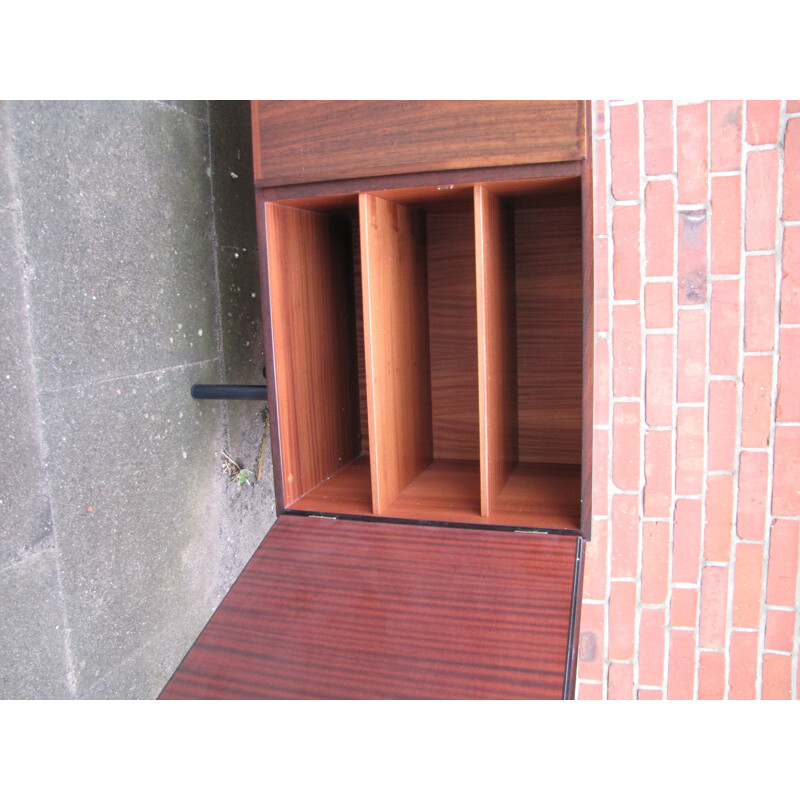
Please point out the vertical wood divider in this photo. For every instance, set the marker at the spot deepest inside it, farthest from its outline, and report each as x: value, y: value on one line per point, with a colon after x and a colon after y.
x: 394, y: 280
x: 314, y: 344
x: 497, y: 351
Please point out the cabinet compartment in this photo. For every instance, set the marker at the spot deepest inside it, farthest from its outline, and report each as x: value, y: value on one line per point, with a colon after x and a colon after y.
x: 316, y: 326
x: 430, y: 352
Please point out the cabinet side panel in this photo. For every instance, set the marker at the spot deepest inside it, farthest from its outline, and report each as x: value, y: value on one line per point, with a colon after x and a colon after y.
x: 497, y: 350
x: 312, y: 140
x: 311, y: 291
x: 397, y: 346
x: 549, y: 258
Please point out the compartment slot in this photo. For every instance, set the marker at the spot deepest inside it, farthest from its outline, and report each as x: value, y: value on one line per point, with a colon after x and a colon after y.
x: 314, y: 343
x: 394, y: 275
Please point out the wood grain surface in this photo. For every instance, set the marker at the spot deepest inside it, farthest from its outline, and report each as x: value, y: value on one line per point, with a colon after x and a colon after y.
x: 549, y: 259
x: 338, y: 609
x: 497, y: 345
x: 394, y: 278
x: 311, y: 140
x: 314, y: 345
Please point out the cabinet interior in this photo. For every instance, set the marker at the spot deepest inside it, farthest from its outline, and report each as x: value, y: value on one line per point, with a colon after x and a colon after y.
x: 427, y: 352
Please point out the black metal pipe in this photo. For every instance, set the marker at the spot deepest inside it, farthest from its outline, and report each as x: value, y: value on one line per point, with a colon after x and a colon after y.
x: 228, y: 391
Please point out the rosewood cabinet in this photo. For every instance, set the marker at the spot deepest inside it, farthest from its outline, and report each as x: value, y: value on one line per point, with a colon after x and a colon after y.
x: 427, y: 285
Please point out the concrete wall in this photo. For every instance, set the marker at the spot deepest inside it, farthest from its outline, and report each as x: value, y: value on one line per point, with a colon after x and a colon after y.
x: 128, y: 272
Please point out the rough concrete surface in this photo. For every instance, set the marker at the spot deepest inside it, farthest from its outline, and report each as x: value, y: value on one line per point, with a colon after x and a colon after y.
x: 128, y: 271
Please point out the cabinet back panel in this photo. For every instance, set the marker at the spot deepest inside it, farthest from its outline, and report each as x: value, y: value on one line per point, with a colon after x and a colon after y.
x: 549, y: 258
x: 313, y: 329
x: 396, y: 344
x: 453, y: 333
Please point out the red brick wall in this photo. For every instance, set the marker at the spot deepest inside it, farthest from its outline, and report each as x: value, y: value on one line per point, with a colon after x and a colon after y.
x: 691, y: 584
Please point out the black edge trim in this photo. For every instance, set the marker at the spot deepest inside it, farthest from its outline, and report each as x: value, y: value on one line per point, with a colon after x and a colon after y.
x: 571, y: 671
x: 433, y: 523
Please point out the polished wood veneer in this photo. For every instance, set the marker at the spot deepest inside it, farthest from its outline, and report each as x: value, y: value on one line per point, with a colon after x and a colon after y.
x: 339, y: 609
x: 313, y: 140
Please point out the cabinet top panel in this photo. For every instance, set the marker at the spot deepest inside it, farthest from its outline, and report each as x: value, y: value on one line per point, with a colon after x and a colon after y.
x: 304, y: 141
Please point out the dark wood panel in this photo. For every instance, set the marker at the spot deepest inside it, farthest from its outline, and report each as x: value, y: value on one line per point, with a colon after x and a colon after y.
x: 549, y: 258
x: 313, y: 334
x: 452, y: 325
x: 393, y: 269
x: 497, y: 345
x: 339, y: 609
x: 306, y: 141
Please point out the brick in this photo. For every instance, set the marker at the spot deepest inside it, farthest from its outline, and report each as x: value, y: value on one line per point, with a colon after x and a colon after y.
x: 782, y: 569
x: 759, y: 303
x: 649, y: 694
x: 691, y: 367
x: 793, y: 106
x: 626, y: 460
x: 621, y: 620
x: 600, y: 472
x: 627, y: 353
x: 652, y: 642
x: 627, y: 273
x: 658, y: 474
x: 692, y: 153
x: 747, y: 585
x: 725, y: 337
x: 683, y: 607
x: 659, y: 228
x: 624, y: 536
x: 726, y: 135
x: 713, y: 607
x: 689, y: 451
x: 602, y: 298
x: 591, y: 642
x: 743, y: 655
x: 659, y: 385
x: 756, y: 401
x: 722, y: 412
x: 790, y: 280
x: 726, y: 224
x: 681, y: 665
x: 595, y: 583
x: 761, y: 201
x: 791, y: 171
x: 763, y: 121
x: 751, y: 519
x: 711, y: 676
x: 600, y: 189
x: 602, y: 381
x: 620, y: 682
x: 655, y: 562
x: 658, y: 305
x: 776, y: 677
x: 625, y: 152
x: 788, y: 407
x: 658, y: 137
x: 590, y: 691
x: 692, y: 257
x: 780, y: 630
x: 599, y: 115
x: 786, y: 469
x: 719, y: 517
x: 686, y: 540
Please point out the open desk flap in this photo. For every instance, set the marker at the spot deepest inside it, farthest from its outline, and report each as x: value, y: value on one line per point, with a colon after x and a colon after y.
x: 335, y: 608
